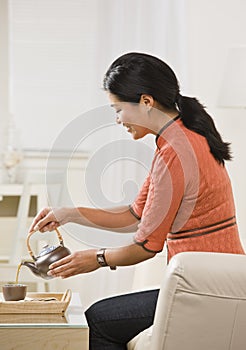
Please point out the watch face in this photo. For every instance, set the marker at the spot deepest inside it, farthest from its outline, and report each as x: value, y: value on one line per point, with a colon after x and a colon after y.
x: 100, y: 259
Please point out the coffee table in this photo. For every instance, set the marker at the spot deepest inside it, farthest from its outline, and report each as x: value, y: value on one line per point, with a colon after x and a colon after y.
x: 43, y: 331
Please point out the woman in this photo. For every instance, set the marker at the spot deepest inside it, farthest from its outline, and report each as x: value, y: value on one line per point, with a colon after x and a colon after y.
x: 186, y: 199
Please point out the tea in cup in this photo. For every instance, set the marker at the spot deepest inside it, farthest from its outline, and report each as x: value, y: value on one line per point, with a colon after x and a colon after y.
x: 14, y: 292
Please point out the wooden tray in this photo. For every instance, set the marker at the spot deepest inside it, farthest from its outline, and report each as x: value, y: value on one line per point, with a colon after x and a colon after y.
x: 38, y: 303
x: 32, y: 318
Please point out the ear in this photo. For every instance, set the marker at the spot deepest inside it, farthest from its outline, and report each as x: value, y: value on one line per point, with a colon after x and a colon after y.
x: 147, y: 100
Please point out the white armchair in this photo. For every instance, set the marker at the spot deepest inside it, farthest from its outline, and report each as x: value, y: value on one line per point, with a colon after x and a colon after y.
x: 201, y: 305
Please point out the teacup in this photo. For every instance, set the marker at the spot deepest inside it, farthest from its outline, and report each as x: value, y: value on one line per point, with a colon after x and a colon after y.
x: 14, y: 292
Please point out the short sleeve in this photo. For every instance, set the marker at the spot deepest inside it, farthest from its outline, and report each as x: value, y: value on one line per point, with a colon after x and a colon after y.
x: 138, y: 205
x: 165, y: 193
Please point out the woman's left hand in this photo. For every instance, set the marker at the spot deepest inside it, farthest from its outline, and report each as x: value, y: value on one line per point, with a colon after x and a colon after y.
x: 74, y: 264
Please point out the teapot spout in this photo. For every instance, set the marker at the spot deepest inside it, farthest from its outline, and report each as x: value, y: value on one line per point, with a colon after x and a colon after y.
x: 31, y: 265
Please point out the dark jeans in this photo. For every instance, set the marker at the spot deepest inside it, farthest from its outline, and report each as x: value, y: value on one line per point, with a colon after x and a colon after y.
x: 113, y: 322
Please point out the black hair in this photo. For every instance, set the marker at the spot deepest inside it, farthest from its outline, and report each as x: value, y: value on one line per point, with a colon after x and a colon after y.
x: 134, y: 74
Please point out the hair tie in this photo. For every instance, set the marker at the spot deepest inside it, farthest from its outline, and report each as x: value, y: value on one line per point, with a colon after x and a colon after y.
x: 178, y: 97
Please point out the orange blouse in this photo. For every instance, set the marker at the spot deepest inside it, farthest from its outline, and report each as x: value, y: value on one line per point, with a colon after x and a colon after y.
x: 187, y: 198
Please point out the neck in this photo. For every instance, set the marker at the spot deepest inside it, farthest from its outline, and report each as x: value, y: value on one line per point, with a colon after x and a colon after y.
x: 159, y: 118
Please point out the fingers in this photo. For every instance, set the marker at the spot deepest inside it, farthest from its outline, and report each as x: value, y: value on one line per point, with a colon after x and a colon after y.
x: 63, y: 273
x: 62, y: 268
x: 61, y: 262
x: 38, y: 217
x: 74, y: 264
x: 43, y: 227
x: 44, y: 221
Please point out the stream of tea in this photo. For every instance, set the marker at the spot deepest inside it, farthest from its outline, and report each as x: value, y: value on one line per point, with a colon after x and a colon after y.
x: 17, y: 273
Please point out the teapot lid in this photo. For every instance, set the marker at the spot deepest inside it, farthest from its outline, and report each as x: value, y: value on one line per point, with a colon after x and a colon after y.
x: 46, y: 250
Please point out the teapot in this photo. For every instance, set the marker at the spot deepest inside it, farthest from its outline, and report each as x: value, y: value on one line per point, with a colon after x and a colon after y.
x: 39, y: 265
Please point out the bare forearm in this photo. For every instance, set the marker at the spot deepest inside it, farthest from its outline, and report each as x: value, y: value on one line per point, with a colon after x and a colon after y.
x: 118, y: 219
x: 128, y: 255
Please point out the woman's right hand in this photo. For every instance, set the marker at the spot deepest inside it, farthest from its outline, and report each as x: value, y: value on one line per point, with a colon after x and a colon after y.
x: 49, y: 218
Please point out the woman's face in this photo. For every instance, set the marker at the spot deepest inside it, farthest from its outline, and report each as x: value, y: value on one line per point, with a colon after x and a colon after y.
x: 133, y: 117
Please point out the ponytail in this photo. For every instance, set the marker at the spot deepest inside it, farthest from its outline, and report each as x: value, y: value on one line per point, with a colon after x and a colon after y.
x: 195, y: 118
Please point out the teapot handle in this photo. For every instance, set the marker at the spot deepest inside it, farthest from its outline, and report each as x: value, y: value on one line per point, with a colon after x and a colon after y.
x: 32, y: 232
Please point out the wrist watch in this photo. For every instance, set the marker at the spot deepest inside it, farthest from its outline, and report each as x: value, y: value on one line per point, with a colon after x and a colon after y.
x: 101, y: 259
